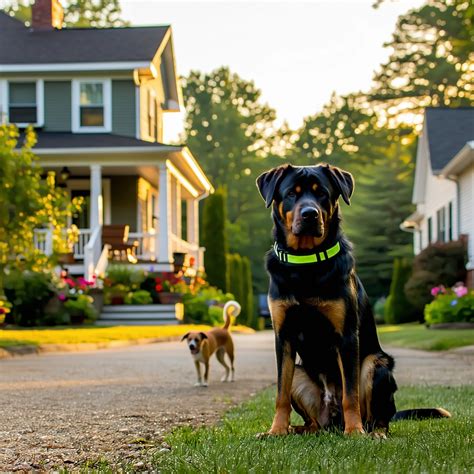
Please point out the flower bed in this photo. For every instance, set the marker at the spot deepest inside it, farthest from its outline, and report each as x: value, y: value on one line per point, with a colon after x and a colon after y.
x: 452, y: 305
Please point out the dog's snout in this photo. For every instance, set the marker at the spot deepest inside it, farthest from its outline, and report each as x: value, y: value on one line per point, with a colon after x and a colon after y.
x: 309, y: 213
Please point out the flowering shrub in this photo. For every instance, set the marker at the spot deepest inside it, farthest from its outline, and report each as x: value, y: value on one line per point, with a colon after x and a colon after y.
x: 450, y: 305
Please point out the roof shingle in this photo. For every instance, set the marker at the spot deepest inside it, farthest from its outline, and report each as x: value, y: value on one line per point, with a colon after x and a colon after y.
x: 448, y: 131
x: 21, y: 45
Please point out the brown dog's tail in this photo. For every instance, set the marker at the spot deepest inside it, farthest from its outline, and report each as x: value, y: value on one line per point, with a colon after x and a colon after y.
x: 231, y: 309
x: 421, y: 414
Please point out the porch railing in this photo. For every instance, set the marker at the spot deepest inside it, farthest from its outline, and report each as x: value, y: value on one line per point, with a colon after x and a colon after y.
x: 146, y: 245
x: 191, y: 249
x: 43, y: 240
x: 80, y: 245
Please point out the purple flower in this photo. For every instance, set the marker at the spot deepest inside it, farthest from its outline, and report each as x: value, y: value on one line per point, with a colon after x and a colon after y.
x: 62, y: 297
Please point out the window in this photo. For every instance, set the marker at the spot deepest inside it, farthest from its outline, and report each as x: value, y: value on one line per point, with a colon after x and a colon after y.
x: 450, y: 221
x: 430, y: 230
x: 441, y: 224
x: 91, y: 106
x: 24, y: 103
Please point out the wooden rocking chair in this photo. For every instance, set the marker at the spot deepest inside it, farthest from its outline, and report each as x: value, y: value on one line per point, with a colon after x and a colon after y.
x: 116, y: 236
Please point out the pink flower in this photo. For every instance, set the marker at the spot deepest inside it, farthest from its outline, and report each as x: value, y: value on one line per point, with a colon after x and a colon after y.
x: 62, y: 297
x: 460, y: 291
x: 435, y: 290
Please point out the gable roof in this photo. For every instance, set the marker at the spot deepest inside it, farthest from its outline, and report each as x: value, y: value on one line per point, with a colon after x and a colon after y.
x: 22, y: 45
x: 448, y: 131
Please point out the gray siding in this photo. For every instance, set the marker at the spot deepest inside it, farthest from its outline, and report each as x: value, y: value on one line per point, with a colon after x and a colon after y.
x: 57, y: 106
x: 123, y: 108
x: 123, y: 196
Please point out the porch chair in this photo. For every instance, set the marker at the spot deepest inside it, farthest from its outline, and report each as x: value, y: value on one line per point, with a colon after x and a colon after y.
x: 116, y: 236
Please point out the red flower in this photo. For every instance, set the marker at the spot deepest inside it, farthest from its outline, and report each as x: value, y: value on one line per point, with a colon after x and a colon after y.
x: 159, y: 287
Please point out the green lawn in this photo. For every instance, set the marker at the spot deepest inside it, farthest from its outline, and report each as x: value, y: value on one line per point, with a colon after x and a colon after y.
x: 92, y: 334
x: 413, y: 447
x: 417, y: 336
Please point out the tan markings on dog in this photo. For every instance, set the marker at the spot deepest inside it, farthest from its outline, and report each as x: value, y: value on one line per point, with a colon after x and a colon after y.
x: 281, y: 420
x: 314, y: 187
x: 333, y: 310
x: 280, y: 210
x: 278, y: 310
x: 350, y: 406
x: 366, y: 384
x: 298, y: 189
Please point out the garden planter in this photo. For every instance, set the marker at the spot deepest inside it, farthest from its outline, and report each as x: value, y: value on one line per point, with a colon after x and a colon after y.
x: 98, y: 296
x: 170, y: 298
x: 77, y: 318
x: 65, y: 258
x: 117, y: 299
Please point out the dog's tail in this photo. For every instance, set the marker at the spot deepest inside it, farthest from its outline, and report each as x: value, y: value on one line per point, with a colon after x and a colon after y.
x: 421, y: 414
x: 231, y: 309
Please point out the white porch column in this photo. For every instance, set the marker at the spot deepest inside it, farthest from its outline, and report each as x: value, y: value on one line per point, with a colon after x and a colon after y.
x: 96, y: 211
x: 177, y: 204
x: 163, y: 235
x: 192, y: 220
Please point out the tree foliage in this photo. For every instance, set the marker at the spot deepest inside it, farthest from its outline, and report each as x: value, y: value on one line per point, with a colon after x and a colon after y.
x: 231, y: 132
x: 77, y: 13
x: 431, y: 60
x: 28, y: 203
x: 214, y: 238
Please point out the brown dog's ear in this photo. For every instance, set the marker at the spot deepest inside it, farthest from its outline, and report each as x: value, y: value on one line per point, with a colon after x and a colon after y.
x: 268, y: 182
x: 343, y: 182
x: 203, y: 335
x: 185, y: 336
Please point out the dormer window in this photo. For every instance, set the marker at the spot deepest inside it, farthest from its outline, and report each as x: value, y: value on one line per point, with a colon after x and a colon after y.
x: 25, y: 103
x: 91, y: 102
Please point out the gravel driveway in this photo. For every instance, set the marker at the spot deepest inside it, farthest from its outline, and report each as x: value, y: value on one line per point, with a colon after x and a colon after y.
x: 62, y: 409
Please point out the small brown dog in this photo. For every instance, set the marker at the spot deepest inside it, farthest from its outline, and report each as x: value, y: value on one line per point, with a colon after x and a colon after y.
x: 203, y: 344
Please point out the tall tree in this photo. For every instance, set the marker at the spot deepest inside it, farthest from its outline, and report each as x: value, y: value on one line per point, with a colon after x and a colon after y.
x: 431, y: 60
x: 214, y: 238
x: 232, y: 133
x: 77, y: 13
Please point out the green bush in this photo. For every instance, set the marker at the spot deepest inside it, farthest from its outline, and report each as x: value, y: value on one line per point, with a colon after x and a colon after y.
x: 29, y: 293
x: 139, y: 297
x: 214, y: 238
x: 125, y: 275
x: 248, y: 310
x: 379, y: 310
x: 450, y: 308
x: 397, y: 307
x: 197, y: 306
x: 236, y: 286
x: 437, y: 263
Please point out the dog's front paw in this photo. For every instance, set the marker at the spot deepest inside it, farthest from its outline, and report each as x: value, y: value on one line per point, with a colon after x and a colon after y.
x: 224, y: 379
x: 354, y: 430
x: 204, y: 384
x: 199, y: 384
x: 274, y: 431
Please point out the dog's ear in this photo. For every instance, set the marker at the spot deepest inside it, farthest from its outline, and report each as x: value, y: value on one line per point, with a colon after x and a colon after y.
x: 268, y: 182
x: 342, y: 180
x: 185, y: 336
x: 203, y: 335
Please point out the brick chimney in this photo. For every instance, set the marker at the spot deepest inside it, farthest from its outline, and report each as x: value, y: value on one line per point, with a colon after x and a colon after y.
x: 47, y: 15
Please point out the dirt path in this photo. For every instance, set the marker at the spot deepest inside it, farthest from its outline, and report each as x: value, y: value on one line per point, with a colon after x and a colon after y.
x: 63, y: 409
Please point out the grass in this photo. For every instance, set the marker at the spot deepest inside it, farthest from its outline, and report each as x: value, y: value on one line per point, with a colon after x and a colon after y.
x: 97, y: 335
x: 413, y: 447
x: 417, y: 336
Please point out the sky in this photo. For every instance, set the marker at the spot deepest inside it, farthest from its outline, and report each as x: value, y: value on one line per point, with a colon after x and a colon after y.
x: 296, y: 52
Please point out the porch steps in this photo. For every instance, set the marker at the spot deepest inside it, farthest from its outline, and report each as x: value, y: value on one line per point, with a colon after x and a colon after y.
x: 139, y: 315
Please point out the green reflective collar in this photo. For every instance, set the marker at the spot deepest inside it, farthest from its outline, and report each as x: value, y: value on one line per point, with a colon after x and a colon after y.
x: 287, y: 257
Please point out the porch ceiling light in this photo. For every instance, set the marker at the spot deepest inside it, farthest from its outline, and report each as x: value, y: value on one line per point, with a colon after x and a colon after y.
x: 65, y: 173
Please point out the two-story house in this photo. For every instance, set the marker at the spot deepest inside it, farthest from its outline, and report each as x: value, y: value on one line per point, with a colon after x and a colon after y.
x: 444, y: 181
x: 97, y: 98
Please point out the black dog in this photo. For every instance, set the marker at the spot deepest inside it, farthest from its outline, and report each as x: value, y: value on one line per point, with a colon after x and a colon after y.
x: 321, y: 312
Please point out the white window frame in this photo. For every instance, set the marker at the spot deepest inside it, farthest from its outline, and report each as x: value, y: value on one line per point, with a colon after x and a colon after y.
x: 76, y: 110
x: 3, y: 101
x: 39, y: 100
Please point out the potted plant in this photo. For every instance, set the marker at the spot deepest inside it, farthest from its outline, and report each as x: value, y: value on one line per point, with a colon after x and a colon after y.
x: 169, y: 287
x: 117, y: 293
x: 139, y: 297
x: 80, y: 309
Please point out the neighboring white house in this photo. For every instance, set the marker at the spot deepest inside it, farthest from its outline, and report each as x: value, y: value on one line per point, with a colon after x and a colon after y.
x: 96, y: 98
x: 444, y: 181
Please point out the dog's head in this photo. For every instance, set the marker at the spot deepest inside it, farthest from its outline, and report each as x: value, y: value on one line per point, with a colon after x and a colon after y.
x: 194, y: 339
x: 305, y: 199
